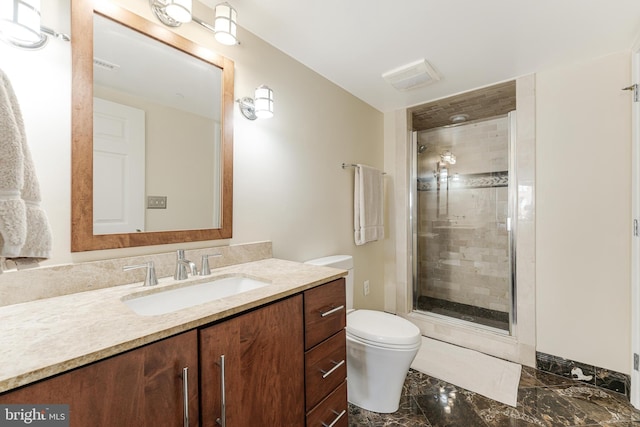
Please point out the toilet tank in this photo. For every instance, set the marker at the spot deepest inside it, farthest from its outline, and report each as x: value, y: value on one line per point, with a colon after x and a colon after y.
x: 343, y: 262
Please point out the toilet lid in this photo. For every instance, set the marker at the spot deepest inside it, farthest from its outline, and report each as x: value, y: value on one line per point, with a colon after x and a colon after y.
x: 383, y: 328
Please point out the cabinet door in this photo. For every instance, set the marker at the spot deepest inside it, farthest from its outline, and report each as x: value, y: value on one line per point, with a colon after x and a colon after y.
x: 163, y: 379
x: 263, y: 367
x: 142, y: 387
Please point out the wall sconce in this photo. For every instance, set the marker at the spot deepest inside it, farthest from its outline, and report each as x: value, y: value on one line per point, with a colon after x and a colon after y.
x: 180, y: 10
x: 20, y: 24
x: 261, y: 106
x: 224, y: 25
x: 174, y: 13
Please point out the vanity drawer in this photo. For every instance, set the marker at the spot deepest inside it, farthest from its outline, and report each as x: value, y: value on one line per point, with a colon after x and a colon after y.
x: 324, y: 312
x: 333, y: 409
x: 325, y: 368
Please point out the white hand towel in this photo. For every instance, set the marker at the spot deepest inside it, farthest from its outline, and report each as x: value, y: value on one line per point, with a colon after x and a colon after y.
x: 24, y: 228
x: 368, y: 201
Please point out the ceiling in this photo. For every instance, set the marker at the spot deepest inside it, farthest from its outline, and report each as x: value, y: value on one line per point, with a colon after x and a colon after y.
x: 469, y: 43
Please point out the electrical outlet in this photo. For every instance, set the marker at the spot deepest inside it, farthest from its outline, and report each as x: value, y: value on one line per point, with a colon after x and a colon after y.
x: 366, y: 287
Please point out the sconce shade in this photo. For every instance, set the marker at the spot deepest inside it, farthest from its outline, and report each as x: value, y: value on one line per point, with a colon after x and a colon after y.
x: 224, y: 25
x: 179, y: 10
x: 260, y: 107
x: 20, y: 22
x: 264, y: 102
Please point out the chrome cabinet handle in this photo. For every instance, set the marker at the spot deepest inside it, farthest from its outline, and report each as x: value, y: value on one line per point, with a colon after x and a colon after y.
x: 185, y: 395
x: 325, y: 374
x: 339, y: 415
x: 333, y: 310
x: 222, y: 421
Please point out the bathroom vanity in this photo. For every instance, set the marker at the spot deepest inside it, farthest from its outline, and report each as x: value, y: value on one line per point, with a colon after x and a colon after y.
x: 325, y: 354
x: 270, y: 356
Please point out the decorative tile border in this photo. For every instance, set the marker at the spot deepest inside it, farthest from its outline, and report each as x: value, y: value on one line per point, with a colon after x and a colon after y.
x: 600, y: 377
x: 468, y: 181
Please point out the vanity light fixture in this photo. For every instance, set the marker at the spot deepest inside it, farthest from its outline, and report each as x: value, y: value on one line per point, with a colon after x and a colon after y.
x: 261, y: 106
x: 174, y: 13
x: 225, y: 24
x: 20, y: 24
x: 180, y: 10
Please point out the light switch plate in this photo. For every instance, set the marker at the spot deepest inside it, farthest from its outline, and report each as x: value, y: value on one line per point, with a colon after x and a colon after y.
x: 156, y: 202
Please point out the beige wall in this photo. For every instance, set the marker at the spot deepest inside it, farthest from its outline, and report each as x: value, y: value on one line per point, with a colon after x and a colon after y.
x: 288, y: 184
x: 583, y: 169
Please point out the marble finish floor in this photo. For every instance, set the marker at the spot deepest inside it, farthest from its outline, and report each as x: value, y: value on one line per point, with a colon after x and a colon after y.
x: 543, y: 400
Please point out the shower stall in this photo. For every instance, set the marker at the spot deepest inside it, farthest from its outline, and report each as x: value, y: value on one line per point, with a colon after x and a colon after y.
x: 463, y: 234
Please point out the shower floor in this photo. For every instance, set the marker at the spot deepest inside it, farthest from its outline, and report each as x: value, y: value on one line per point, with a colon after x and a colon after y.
x: 483, y: 316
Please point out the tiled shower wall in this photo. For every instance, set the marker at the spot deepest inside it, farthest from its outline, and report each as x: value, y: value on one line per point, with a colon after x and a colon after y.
x: 462, y: 237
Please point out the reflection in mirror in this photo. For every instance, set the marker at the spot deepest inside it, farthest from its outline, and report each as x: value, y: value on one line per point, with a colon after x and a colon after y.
x: 179, y: 176
x: 156, y: 134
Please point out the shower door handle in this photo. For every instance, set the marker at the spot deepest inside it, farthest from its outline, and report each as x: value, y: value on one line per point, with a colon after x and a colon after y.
x: 508, y: 224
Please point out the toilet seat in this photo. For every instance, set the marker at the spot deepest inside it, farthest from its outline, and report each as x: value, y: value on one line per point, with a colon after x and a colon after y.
x: 382, y: 329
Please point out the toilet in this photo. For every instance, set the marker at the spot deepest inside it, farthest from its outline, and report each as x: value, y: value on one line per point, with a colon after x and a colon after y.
x: 380, y: 349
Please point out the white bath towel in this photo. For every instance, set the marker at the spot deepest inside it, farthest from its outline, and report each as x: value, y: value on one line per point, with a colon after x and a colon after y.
x: 25, y: 234
x: 368, y: 200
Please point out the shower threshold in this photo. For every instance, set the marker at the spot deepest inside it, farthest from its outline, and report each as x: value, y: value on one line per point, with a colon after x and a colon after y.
x: 482, y: 316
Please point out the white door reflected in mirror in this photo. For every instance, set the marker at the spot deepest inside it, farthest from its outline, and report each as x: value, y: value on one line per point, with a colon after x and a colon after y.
x: 118, y: 168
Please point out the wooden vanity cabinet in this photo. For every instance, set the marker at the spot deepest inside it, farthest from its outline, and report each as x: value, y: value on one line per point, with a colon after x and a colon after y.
x: 262, y: 356
x: 326, y: 355
x: 142, y: 387
x: 284, y: 364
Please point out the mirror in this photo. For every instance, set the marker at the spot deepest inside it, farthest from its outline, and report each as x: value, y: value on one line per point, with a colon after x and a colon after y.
x: 170, y: 158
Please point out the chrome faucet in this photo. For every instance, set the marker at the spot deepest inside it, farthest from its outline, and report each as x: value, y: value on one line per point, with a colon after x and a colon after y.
x: 181, y: 266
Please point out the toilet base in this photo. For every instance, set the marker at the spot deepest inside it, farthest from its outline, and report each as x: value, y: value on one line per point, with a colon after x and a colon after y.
x: 375, y: 376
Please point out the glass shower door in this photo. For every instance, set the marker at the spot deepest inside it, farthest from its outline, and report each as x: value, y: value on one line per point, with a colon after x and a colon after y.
x: 462, y: 229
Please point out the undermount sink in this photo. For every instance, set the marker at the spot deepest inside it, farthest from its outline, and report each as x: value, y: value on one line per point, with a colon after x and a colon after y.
x: 174, y: 299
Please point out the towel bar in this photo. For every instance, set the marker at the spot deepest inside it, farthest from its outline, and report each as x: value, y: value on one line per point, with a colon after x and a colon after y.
x: 351, y: 165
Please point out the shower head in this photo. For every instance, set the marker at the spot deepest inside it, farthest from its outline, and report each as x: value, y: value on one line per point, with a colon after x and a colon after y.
x: 422, y: 148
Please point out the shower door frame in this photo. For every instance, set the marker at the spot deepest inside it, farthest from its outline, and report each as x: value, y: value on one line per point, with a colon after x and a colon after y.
x: 520, y: 347
x: 511, y: 226
x: 635, y: 240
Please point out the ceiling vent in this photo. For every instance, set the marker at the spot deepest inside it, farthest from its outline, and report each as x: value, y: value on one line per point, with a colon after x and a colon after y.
x: 105, y: 65
x: 412, y: 76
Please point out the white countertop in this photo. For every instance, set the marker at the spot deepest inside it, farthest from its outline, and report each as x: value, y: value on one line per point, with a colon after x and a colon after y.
x: 42, y: 338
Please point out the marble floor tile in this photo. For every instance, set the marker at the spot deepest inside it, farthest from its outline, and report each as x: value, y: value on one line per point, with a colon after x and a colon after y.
x: 409, y: 414
x: 544, y: 400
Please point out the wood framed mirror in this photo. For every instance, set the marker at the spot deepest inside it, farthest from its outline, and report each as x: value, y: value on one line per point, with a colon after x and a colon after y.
x: 85, y: 235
